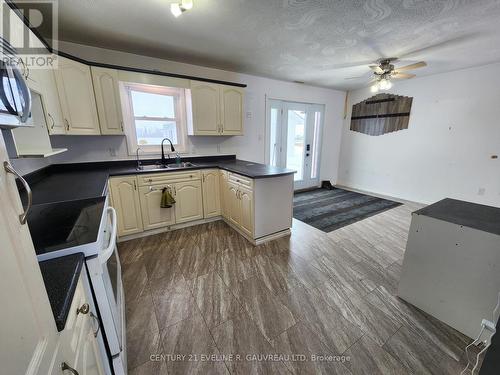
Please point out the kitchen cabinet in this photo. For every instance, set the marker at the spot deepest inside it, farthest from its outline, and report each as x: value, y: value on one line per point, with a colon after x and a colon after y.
x: 76, y: 95
x: 246, y: 207
x: 217, y: 109
x: 153, y: 215
x: 126, y: 202
x: 43, y: 81
x: 211, y: 193
x: 188, y: 201
x: 240, y: 203
x: 224, y: 196
x: 28, y: 332
x: 205, y: 99
x: 231, y: 110
x: 78, y: 343
x: 107, y: 97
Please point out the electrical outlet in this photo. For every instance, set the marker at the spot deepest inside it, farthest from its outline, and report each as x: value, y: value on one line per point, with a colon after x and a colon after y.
x: 112, y: 152
x: 218, y: 149
x: 249, y: 114
x: 481, y: 191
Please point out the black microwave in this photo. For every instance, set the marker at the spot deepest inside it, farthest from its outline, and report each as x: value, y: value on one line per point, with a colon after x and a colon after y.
x: 15, y: 96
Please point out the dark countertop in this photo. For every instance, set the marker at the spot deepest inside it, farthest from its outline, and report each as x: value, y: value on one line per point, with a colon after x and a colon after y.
x: 65, y: 182
x: 472, y: 215
x: 60, y: 276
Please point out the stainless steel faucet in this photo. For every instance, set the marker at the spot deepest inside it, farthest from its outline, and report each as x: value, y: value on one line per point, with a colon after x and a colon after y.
x: 139, y: 165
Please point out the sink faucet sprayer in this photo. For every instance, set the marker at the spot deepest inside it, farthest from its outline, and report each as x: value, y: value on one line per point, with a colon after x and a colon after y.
x: 163, y: 160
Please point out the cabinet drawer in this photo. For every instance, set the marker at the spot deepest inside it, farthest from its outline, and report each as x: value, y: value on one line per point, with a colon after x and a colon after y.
x: 167, y: 178
x: 244, y: 181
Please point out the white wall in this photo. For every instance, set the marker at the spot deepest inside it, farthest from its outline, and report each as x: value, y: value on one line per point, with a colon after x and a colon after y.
x: 251, y: 146
x: 454, y: 130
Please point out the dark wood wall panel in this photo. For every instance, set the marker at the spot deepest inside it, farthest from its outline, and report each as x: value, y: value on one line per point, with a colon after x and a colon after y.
x: 381, y: 114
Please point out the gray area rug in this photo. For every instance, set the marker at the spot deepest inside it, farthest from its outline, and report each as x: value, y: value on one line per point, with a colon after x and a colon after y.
x: 332, y: 209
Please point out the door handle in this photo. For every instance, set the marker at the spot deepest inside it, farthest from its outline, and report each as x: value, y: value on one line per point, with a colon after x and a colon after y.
x: 93, y: 316
x: 9, y: 169
x: 66, y: 367
x: 106, y: 253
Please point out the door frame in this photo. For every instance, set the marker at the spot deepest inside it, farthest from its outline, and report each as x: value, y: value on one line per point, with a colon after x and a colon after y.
x: 282, y: 105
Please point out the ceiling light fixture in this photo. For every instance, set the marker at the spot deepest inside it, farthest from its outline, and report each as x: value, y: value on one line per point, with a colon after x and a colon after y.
x: 381, y: 84
x: 178, y: 8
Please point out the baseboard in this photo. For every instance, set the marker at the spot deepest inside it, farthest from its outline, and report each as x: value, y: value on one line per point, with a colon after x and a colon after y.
x: 260, y: 240
x: 396, y: 199
x: 168, y: 228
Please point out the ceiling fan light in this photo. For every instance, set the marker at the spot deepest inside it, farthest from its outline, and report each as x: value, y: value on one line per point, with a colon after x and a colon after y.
x: 175, y: 9
x: 187, y: 4
x: 385, y: 84
x: 374, y: 87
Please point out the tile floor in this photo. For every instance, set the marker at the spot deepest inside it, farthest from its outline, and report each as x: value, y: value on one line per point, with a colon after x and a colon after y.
x: 206, y: 301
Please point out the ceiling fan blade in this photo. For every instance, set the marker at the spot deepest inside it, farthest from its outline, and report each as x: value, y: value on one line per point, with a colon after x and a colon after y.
x: 398, y: 75
x: 377, y: 69
x: 420, y: 64
x: 355, y: 77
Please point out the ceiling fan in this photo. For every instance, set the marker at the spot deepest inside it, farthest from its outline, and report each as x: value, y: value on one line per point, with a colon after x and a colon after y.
x: 385, y: 71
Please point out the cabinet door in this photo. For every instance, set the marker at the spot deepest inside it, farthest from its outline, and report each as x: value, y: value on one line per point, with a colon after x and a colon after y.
x: 76, y: 93
x: 206, y: 108
x: 43, y: 82
x: 234, y: 209
x: 107, y: 97
x: 154, y: 216
x: 28, y: 334
x: 231, y: 110
x: 188, y: 201
x: 246, y: 207
x: 211, y: 193
x: 223, y: 193
x: 126, y: 203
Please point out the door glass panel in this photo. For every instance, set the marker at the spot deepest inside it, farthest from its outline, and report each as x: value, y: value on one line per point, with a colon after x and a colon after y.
x: 315, y: 145
x: 274, y: 147
x: 295, y: 142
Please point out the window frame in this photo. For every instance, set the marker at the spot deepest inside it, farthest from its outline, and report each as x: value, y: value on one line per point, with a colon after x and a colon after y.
x: 180, y: 119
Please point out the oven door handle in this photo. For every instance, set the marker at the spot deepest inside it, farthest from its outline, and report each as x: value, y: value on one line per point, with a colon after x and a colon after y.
x: 106, y: 253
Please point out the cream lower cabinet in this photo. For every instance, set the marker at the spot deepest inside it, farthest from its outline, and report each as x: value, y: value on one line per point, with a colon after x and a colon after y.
x: 153, y: 215
x: 125, y: 199
x: 78, y: 345
x: 240, y: 207
x: 188, y: 201
x: 211, y: 193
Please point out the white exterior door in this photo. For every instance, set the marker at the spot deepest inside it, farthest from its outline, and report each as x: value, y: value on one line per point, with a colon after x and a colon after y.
x: 27, y: 329
x: 294, y: 131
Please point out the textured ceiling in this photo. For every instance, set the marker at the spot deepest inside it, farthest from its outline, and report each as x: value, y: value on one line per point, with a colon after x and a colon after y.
x: 320, y: 42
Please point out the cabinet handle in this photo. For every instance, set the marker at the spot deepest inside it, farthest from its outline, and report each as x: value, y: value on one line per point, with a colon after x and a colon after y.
x: 121, y: 125
x: 135, y: 185
x: 52, y: 119
x: 9, y: 169
x: 66, y: 367
x: 83, y: 309
x: 175, y: 191
x: 67, y: 123
x: 93, y: 316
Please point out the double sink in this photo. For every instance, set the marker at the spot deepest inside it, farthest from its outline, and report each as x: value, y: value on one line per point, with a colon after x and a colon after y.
x: 158, y: 166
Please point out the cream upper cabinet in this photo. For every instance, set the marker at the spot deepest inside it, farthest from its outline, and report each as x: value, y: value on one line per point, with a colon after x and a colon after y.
x: 126, y: 202
x: 107, y: 97
x: 76, y: 94
x: 211, y: 193
x: 217, y: 109
x: 246, y: 208
x: 43, y: 81
x: 188, y: 201
x: 205, y: 99
x: 231, y: 110
x: 153, y: 215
